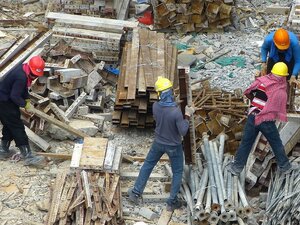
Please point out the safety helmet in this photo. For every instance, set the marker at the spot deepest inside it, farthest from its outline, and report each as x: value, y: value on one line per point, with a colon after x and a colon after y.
x: 37, y: 65
x: 281, y: 39
x: 280, y: 69
x: 162, y: 84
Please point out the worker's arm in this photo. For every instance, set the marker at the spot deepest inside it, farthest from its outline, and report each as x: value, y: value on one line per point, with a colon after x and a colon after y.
x: 265, y: 48
x: 296, y: 54
x: 17, y: 92
x: 181, y: 123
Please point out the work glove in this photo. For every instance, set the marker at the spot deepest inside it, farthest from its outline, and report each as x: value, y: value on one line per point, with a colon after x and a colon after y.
x: 293, y: 80
x: 263, y: 70
x: 189, y: 110
x: 27, y: 105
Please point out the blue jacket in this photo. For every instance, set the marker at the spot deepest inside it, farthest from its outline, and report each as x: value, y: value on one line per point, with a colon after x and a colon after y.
x: 293, y: 51
x: 170, y: 124
x: 14, y: 87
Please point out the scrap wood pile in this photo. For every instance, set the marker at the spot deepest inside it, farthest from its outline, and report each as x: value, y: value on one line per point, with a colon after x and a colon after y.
x: 91, y: 194
x: 191, y: 15
x: 97, y: 38
x: 219, y: 112
x: 106, y: 9
x: 147, y: 57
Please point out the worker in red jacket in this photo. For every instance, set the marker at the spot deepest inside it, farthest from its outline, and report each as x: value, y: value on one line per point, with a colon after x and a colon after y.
x: 13, y: 96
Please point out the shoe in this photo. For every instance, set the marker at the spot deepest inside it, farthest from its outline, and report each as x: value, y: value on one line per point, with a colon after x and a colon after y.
x: 174, y: 205
x: 133, y: 197
x: 231, y: 169
x: 30, y: 159
x: 293, y: 167
x: 5, y: 152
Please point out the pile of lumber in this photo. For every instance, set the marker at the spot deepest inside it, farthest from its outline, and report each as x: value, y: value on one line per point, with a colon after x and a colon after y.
x: 99, y: 8
x: 91, y: 194
x: 99, y: 38
x: 219, y: 112
x: 147, y: 57
x: 191, y: 15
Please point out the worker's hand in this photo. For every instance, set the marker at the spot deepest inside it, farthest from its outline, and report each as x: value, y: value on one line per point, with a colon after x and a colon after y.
x: 293, y: 80
x: 189, y: 110
x: 27, y: 105
x: 263, y: 71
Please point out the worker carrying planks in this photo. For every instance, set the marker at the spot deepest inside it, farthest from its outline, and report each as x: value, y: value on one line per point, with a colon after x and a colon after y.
x: 13, y: 96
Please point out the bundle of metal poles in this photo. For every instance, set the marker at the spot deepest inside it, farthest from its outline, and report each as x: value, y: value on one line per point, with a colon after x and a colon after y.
x: 214, y: 195
x: 283, y: 202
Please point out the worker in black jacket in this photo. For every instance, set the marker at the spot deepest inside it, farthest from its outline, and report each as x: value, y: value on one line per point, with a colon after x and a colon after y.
x: 13, y: 95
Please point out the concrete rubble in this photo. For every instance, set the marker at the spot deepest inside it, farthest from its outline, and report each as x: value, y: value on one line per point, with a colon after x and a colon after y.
x: 76, y: 102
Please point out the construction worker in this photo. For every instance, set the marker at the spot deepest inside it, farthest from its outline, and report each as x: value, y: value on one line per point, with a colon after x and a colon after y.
x: 268, y: 102
x: 170, y: 127
x: 281, y: 46
x: 14, y: 94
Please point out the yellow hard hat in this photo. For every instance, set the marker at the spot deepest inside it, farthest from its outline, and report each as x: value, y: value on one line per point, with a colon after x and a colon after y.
x: 280, y: 69
x: 162, y: 84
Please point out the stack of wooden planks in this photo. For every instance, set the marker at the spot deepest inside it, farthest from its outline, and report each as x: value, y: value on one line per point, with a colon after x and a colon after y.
x: 191, y: 15
x: 90, y: 194
x: 147, y: 57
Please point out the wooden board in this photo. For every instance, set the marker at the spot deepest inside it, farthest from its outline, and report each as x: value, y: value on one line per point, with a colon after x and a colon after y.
x: 165, y: 217
x: 93, y: 153
x: 133, y: 65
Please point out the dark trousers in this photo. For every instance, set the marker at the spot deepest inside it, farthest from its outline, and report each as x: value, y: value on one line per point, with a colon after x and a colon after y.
x: 13, y: 127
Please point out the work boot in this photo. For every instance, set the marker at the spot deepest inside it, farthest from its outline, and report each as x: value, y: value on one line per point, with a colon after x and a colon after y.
x: 294, y: 166
x: 174, y: 205
x: 29, y: 158
x: 133, y: 197
x: 5, y: 152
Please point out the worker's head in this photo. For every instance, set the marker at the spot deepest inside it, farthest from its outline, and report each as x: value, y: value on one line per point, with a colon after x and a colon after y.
x: 280, y: 69
x: 37, y: 66
x: 281, y: 39
x: 162, y: 84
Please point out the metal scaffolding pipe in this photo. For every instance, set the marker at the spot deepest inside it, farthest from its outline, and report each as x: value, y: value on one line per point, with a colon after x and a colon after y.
x: 207, y: 203
x: 188, y: 196
x: 219, y: 163
x: 199, y: 162
x: 203, y: 185
x: 210, y: 171
x: 221, y: 147
x: 217, y: 176
x: 247, y: 208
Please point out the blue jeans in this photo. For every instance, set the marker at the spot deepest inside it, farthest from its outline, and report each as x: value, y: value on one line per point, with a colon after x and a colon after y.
x: 175, y: 154
x: 270, y: 131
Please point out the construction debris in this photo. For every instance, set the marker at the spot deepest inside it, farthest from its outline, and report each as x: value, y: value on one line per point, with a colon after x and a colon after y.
x: 90, y: 196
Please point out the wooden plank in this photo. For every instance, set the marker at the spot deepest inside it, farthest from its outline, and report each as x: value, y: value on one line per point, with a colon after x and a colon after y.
x: 125, y: 120
x: 56, y: 122
x: 123, y: 10
x: 94, y: 21
x: 109, y: 156
x: 133, y: 65
x: 161, y: 49
x: 93, y: 153
x: 153, y: 54
x: 37, y: 140
x: 42, y: 40
x: 55, y: 155
x: 165, y: 217
x: 86, y: 187
x: 116, y: 117
x: 145, y: 56
x: 128, y: 64
x: 76, y: 155
x: 21, y: 43
x: 141, y: 78
x: 143, y: 105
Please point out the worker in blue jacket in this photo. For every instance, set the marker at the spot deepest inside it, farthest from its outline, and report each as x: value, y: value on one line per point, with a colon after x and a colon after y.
x: 281, y: 46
